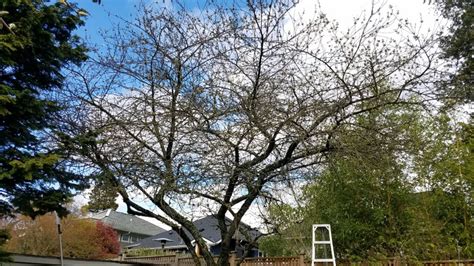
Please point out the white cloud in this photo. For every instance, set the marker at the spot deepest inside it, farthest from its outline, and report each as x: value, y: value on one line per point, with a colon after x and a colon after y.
x: 344, y: 11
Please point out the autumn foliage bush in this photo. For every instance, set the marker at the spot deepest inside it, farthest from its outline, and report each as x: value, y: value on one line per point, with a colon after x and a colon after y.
x: 82, y: 238
x: 108, y: 240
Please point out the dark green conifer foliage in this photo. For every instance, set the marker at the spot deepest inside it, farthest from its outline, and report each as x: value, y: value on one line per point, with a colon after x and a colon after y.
x: 37, y: 43
x: 103, y: 195
x: 458, y: 45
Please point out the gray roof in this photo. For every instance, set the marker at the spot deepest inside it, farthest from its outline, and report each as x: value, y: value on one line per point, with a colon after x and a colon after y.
x: 126, y: 222
x: 207, y: 226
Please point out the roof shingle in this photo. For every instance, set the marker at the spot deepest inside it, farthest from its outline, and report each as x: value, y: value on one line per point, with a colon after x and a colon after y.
x: 127, y: 222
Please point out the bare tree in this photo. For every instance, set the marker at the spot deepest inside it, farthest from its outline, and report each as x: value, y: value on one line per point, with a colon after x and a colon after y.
x: 221, y: 104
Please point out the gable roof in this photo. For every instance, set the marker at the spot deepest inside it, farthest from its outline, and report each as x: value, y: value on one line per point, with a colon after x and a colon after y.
x: 207, y: 226
x: 126, y: 222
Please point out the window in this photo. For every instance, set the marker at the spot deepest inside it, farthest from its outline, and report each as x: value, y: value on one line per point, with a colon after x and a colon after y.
x: 125, y: 238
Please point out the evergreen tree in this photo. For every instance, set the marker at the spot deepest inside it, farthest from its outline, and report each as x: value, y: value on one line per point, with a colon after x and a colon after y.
x: 36, y: 42
x: 457, y: 45
x: 103, y: 195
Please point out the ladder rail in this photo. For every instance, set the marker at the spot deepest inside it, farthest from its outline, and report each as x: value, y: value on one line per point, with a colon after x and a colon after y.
x: 323, y: 242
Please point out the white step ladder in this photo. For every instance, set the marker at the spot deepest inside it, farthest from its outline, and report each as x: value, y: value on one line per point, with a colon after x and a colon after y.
x: 322, y: 238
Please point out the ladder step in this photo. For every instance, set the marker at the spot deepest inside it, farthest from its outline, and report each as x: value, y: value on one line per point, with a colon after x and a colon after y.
x: 323, y: 242
x: 323, y: 260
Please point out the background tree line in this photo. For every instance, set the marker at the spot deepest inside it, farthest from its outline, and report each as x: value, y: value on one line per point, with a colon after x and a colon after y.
x: 405, y: 190
x: 82, y: 238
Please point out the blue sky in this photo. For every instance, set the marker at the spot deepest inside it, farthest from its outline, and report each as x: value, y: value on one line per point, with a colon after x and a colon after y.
x: 102, y: 17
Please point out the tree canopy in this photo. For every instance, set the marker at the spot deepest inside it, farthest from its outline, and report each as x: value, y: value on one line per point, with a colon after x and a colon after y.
x: 34, y: 48
x: 399, y: 192
x: 218, y: 108
x: 391, y: 197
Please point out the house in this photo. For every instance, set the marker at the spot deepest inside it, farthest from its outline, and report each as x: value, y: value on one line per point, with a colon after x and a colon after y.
x: 208, y: 227
x: 130, y: 228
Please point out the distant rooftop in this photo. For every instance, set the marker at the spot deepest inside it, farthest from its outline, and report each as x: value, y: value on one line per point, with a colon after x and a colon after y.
x: 126, y: 222
x: 207, y: 226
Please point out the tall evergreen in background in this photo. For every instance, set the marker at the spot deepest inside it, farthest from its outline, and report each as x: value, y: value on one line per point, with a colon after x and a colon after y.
x: 458, y: 45
x: 36, y: 42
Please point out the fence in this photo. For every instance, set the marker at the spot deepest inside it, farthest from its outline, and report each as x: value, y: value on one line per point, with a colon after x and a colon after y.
x: 276, y: 261
x: 171, y: 260
x: 176, y: 260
